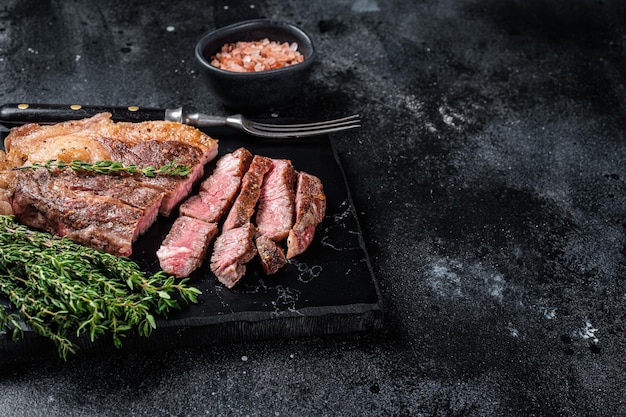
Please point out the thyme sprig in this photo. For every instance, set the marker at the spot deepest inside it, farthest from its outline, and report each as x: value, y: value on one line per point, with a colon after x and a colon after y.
x: 63, y: 290
x: 110, y: 168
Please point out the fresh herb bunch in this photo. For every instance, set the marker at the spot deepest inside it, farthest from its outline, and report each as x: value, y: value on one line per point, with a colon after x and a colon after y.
x: 110, y: 167
x: 63, y: 290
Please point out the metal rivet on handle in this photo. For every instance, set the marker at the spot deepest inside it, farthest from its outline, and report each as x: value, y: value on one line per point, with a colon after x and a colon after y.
x: 75, y: 106
x: 22, y: 106
x: 133, y: 108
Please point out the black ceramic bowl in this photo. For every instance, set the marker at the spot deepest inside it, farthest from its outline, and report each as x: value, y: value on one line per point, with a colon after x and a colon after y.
x: 255, y: 90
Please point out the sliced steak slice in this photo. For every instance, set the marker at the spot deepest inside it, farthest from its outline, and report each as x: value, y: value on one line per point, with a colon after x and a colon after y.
x: 310, y: 210
x: 271, y: 255
x: 97, y: 221
x: 219, y: 190
x: 185, y: 246
x: 275, y: 213
x: 243, y: 207
x: 231, y: 251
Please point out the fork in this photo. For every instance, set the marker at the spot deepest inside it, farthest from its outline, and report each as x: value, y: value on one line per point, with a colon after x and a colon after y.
x: 272, y: 130
x: 54, y: 113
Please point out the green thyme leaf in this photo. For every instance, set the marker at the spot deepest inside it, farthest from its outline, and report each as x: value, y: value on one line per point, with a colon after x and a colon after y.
x: 110, y: 168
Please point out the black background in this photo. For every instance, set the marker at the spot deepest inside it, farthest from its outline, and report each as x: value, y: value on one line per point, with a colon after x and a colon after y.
x: 488, y: 178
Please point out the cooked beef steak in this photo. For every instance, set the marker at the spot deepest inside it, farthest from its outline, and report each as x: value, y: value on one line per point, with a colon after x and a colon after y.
x: 271, y: 255
x: 103, y: 212
x: 185, y: 246
x: 274, y: 216
x: 98, y: 221
x: 219, y: 190
x: 310, y: 210
x: 125, y: 189
x: 231, y: 251
x: 243, y: 207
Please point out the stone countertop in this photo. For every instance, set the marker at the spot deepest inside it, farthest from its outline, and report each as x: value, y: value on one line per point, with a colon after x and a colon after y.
x: 489, y: 178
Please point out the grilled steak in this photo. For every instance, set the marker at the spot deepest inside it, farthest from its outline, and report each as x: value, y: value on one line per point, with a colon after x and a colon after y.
x: 104, y: 212
x: 185, y: 246
x: 310, y: 210
x: 99, y: 221
x: 243, y: 207
x: 219, y: 190
x: 274, y: 216
x: 124, y: 189
x: 231, y: 251
x: 271, y: 255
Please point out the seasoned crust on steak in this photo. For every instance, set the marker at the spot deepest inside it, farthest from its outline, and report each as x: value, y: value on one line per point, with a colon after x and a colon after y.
x: 97, y: 221
x: 310, y: 211
x: 271, y: 255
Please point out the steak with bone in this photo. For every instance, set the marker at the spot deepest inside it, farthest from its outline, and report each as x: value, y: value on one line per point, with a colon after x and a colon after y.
x: 218, y: 191
x: 310, y: 211
x: 274, y: 216
x: 185, y: 246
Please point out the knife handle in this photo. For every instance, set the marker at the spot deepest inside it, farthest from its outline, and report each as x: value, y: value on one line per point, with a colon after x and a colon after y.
x: 54, y: 113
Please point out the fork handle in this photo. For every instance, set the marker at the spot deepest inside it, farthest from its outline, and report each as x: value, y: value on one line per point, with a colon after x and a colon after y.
x: 54, y: 113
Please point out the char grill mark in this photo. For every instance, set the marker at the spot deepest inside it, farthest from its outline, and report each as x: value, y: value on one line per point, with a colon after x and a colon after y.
x: 97, y: 221
x: 231, y: 251
x: 219, y: 190
x: 275, y: 212
x: 185, y: 246
x: 243, y: 207
x: 124, y: 189
x: 310, y: 210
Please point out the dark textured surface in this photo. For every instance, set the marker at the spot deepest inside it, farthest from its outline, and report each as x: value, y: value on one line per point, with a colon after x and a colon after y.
x: 489, y: 179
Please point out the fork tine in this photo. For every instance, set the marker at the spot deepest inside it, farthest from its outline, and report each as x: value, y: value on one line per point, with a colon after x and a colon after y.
x: 298, y: 133
x: 344, y: 121
x: 307, y: 129
x: 304, y: 129
x: 269, y: 130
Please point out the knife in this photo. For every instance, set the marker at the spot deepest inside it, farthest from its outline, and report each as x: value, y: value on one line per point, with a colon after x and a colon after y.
x: 19, y: 113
